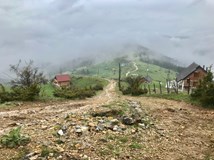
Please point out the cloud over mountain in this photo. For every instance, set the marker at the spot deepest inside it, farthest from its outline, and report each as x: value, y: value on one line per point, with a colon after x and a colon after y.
x: 57, y: 30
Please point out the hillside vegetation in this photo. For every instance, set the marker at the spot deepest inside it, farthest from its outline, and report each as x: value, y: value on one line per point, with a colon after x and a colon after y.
x: 109, y: 69
x: 47, y: 90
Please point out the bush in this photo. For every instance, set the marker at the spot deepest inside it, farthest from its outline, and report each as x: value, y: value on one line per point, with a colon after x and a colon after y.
x: 98, y: 87
x: 204, y: 92
x: 26, y: 93
x: 26, y: 85
x: 207, y: 98
x: 5, y: 97
x: 14, y: 139
x: 19, y: 93
x: 74, y: 93
x: 134, y: 92
x: 134, y: 86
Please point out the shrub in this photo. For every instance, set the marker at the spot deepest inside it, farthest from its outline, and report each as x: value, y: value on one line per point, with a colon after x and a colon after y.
x: 45, y: 151
x: 204, y: 92
x: 26, y: 85
x: 135, y: 91
x: 207, y: 97
x: 25, y: 93
x: 74, y: 93
x: 4, y: 95
x: 21, y: 155
x: 20, y: 94
x: 14, y: 139
x: 134, y: 86
x: 98, y: 87
x: 2, y: 88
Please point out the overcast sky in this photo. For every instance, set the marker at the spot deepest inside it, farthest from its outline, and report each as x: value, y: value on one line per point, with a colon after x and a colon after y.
x: 58, y: 30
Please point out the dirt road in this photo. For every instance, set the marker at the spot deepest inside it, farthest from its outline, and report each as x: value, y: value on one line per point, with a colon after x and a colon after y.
x: 57, y: 110
x: 184, y: 131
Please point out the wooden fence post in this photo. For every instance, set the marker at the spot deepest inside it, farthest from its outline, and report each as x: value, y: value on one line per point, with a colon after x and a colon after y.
x: 188, y: 81
x: 167, y: 85
x: 154, y: 88
x: 160, y: 87
x: 119, y: 79
x: 144, y: 86
x: 149, y: 89
x: 176, y: 81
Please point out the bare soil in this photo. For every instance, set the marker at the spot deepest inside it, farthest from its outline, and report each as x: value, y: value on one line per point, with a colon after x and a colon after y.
x: 178, y: 130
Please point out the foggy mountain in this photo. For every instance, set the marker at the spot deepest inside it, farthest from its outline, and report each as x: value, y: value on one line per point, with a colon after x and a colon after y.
x: 129, y: 53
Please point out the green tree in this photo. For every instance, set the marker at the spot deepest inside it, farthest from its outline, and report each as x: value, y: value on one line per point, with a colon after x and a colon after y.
x: 204, y: 91
x: 27, y: 84
x: 134, y: 86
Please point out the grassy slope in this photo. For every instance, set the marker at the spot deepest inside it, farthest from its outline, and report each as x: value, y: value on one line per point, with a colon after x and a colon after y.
x: 46, y: 92
x: 85, y: 82
x: 106, y: 70
x: 157, y: 73
x: 79, y: 82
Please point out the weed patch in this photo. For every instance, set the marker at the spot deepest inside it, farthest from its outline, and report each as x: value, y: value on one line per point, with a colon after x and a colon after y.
x: 21, y: 154
x: 14, y: 139
x: 136, y: 145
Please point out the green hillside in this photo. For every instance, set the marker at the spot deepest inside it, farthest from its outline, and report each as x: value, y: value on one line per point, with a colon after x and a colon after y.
x: 110, y: 70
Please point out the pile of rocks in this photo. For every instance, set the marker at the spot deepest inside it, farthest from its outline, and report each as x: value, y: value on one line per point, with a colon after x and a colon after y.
x: 106, y: 119
x: 74, y: 133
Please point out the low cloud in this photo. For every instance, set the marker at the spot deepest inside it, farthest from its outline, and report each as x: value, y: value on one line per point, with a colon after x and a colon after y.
x: 53, y: 31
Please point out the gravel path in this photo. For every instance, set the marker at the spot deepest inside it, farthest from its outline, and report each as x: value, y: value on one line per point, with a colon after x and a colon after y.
x: 136, y: 69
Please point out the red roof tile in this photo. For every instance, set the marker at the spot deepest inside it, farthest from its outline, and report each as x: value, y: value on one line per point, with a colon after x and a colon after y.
x: 63, y: 78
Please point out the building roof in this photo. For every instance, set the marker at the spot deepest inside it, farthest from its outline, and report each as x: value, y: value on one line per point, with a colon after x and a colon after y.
x: 148, y: 79
x: 187, y: 71
x: 63, y: 78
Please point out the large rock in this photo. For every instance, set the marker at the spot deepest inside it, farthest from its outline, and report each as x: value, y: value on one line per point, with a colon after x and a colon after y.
x: 81, y: 129
x: 128, y: 120
x: 106, y: 112
x: 60, y: 132
x: 114, y: 122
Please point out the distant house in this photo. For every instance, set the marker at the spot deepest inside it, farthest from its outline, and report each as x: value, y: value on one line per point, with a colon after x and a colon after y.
x: 146, y: 79
x: 190, y: 76
x: 171, y: 84
x: 62, y: 80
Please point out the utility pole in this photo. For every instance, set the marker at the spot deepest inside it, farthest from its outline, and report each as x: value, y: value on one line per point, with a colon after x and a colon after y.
x: 119, y: 85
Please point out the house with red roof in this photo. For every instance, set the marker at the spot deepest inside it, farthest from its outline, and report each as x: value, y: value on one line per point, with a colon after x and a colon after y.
x: 62, y: 80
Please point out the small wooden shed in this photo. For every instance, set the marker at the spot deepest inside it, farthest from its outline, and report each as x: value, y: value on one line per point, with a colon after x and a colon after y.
x: 62, y: 80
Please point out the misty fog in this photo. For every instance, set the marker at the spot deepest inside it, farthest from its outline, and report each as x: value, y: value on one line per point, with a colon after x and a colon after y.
x: 55, y: 32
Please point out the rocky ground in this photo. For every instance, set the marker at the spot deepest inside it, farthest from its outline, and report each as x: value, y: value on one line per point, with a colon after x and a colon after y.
x: 110, y: 127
